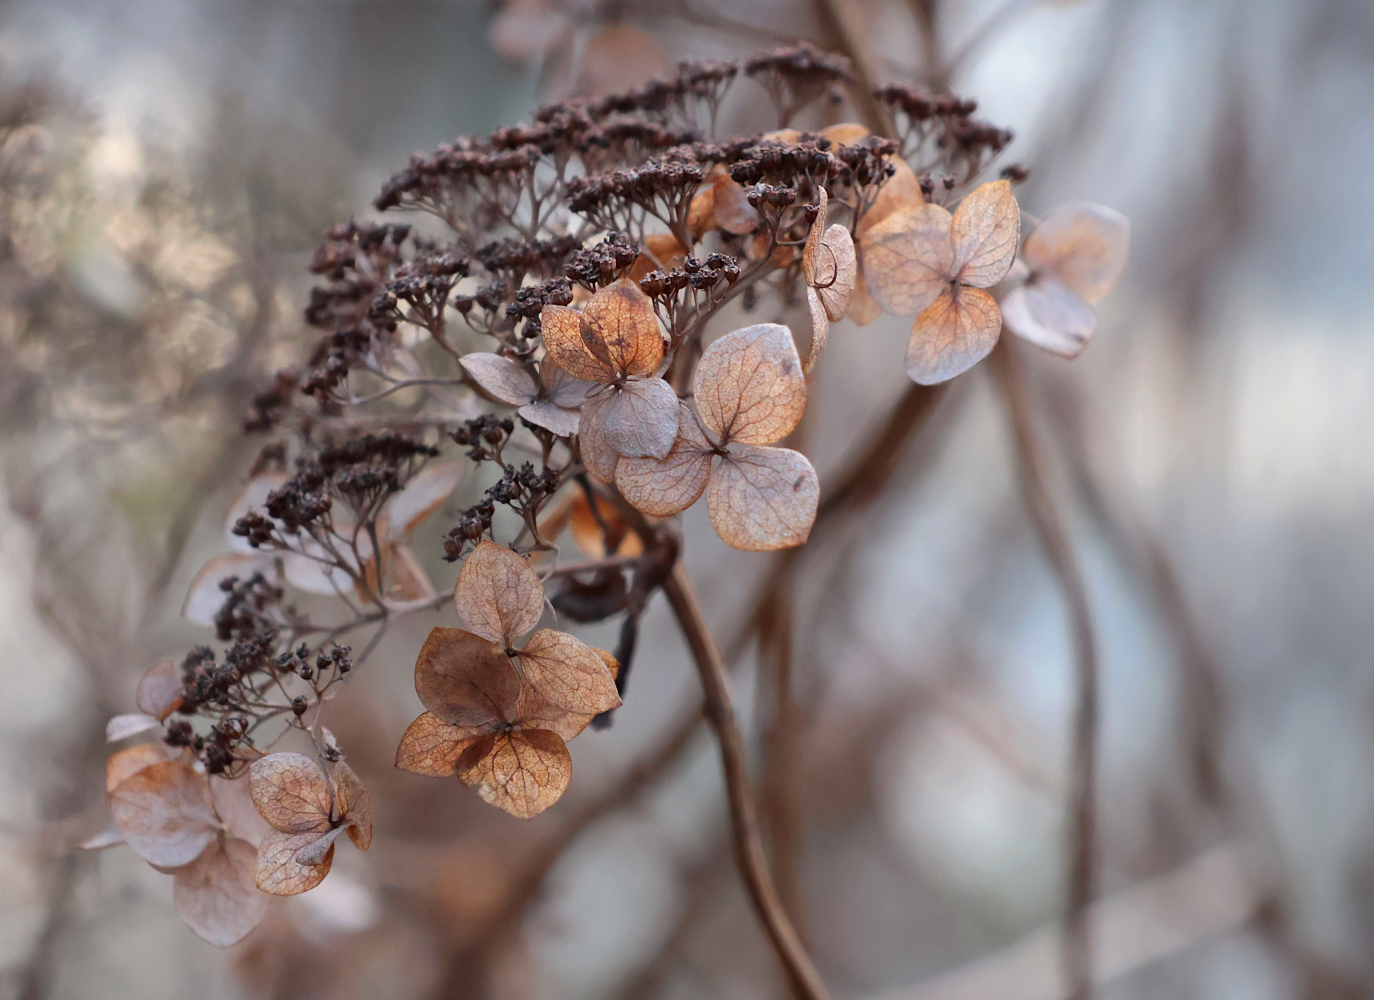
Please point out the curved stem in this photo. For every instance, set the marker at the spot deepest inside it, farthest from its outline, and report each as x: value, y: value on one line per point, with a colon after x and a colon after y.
x: 1082, y: 840
x: 744, y: 822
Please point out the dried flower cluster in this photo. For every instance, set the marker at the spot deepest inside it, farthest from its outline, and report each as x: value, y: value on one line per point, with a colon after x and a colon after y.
x: 561, y: 337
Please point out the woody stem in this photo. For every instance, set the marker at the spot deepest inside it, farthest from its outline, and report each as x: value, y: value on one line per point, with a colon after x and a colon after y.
x: 744, y: 821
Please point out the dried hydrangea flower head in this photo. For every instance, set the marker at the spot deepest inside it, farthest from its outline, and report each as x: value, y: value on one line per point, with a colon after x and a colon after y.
x: 1073, y: 258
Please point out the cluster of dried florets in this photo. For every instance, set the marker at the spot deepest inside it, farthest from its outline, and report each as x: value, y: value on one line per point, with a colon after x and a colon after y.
x: 561, y: 338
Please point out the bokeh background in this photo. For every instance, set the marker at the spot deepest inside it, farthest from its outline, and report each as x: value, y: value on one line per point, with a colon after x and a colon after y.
x: 166, y: 169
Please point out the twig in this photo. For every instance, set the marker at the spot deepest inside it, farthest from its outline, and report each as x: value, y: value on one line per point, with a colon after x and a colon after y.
x: 744, y: 822
x: 1083, y: 768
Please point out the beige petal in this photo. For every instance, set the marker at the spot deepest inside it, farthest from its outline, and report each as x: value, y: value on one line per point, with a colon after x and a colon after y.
x: 552, y: 417
x: 253, y: 498
x: 204, y: 597
x: 763, y: 498
x: 820, y: 329
x: 621, y: 329
x: 498, y: 595
x: 568, y: 673
x: 749, y: 385
x: 501, y: 378
x: 160, y: 690
x: 121, y: 727
x: 215, y: 894
x: 863, y: 308
x: 618, y: 58
x: 233, y: 798
x: 1050, y: 316
x: 986, y: 230
x: 523, y: 772
x: 900, y: 193
x: 562, y: 330
x: 641, y: 418
x: 432, y: 747
x: 131, y: 760
x: 465, y: 680
x: 165, y: 813
x: 668, y: 486
x: 280, y: 870
x: 354, y: 806
x: 1083, y: 245
x: 108, y: 837
x: 291, y: 792
x: 422, y: 496
x: 836, y: 272
x: 406, y: 579
x: 537, y: 712
x: 597, y: 454
x: 733, y: 212
x: 908, y: 259
x: 952, y: 335
x: 846, y: 133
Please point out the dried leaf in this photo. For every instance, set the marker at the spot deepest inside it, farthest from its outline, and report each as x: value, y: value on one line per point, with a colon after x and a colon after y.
x: 749, y: 385
x: 422, y: 496
x: 562, y: 331
x: 1050, y: 316
x: 1082, y: 245
x: 537, y: 712
x: 763, y: 498
x: 733, y: 212
x: 215, y: 894
x: 279, y: 870
x: 638, y: 419
x: 951, y: 336
x: 129, y: 761
x: 501, y: 378
x: 121, y: 727
x: 522, y: 772
x: 568, y: 673
x: 165, y: 813
x: 597, y: 454
x: 432, y: 747
x: 204, y: 597
x: 498, y: 596
x: 292, y: 793
x: 465, y: 680
x: 354, y: 806
x: 908, y: 259
x: 160, y: 690
x: 621, y: 330
x: 662, y: 487
x: 985, y: 231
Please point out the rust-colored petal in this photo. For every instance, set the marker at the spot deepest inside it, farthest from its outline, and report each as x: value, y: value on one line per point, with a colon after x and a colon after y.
x: 568, y: 673
x: 165, y: 813
x: 730, y: 203
x: 957, y: 331
x: 291, y: 792
x: 562, y: 330
x: 620, y: 327
x: 465, y: 679
x: 432, y: 747
x: 908, y: 259
x: 522, y: 772
x: 280, y: 869
x: 586, y: 528
x: 131, y: 760
x: 763, y: 498
x: 354, y: 806
x: 749, y: 385
x: 498, y: 595
x: 668, y: 486
x: 985, y: 232
x: 216, y: 896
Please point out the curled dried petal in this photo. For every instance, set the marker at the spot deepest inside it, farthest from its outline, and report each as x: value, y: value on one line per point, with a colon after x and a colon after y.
x: 280, y: 869
x: 498, y: 596
x: 522, y: 772
x: 215, y: 894
x: 562, y: 330
x: 465, y: 679
x: 763, y: 498
x: 985, y: 230
x: 749, y: 385
x: 432, y: 747
x: 662, y: 487
x: 501, y: 378
x: 952, y: 335
x: 354, y: 806
x: 568, y: 673
x: 291, y: 792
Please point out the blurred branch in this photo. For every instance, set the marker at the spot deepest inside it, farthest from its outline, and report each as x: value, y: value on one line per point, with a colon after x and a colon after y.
x: 1082, y: 840
x: 743, y: 818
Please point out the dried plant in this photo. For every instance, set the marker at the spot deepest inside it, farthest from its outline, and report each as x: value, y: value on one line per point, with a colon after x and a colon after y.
x: 562, y: 333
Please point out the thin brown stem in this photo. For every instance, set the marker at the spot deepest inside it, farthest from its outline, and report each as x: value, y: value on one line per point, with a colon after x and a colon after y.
x: 744, y: 823
x: 1082, y: 845
x: 783, y: 754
